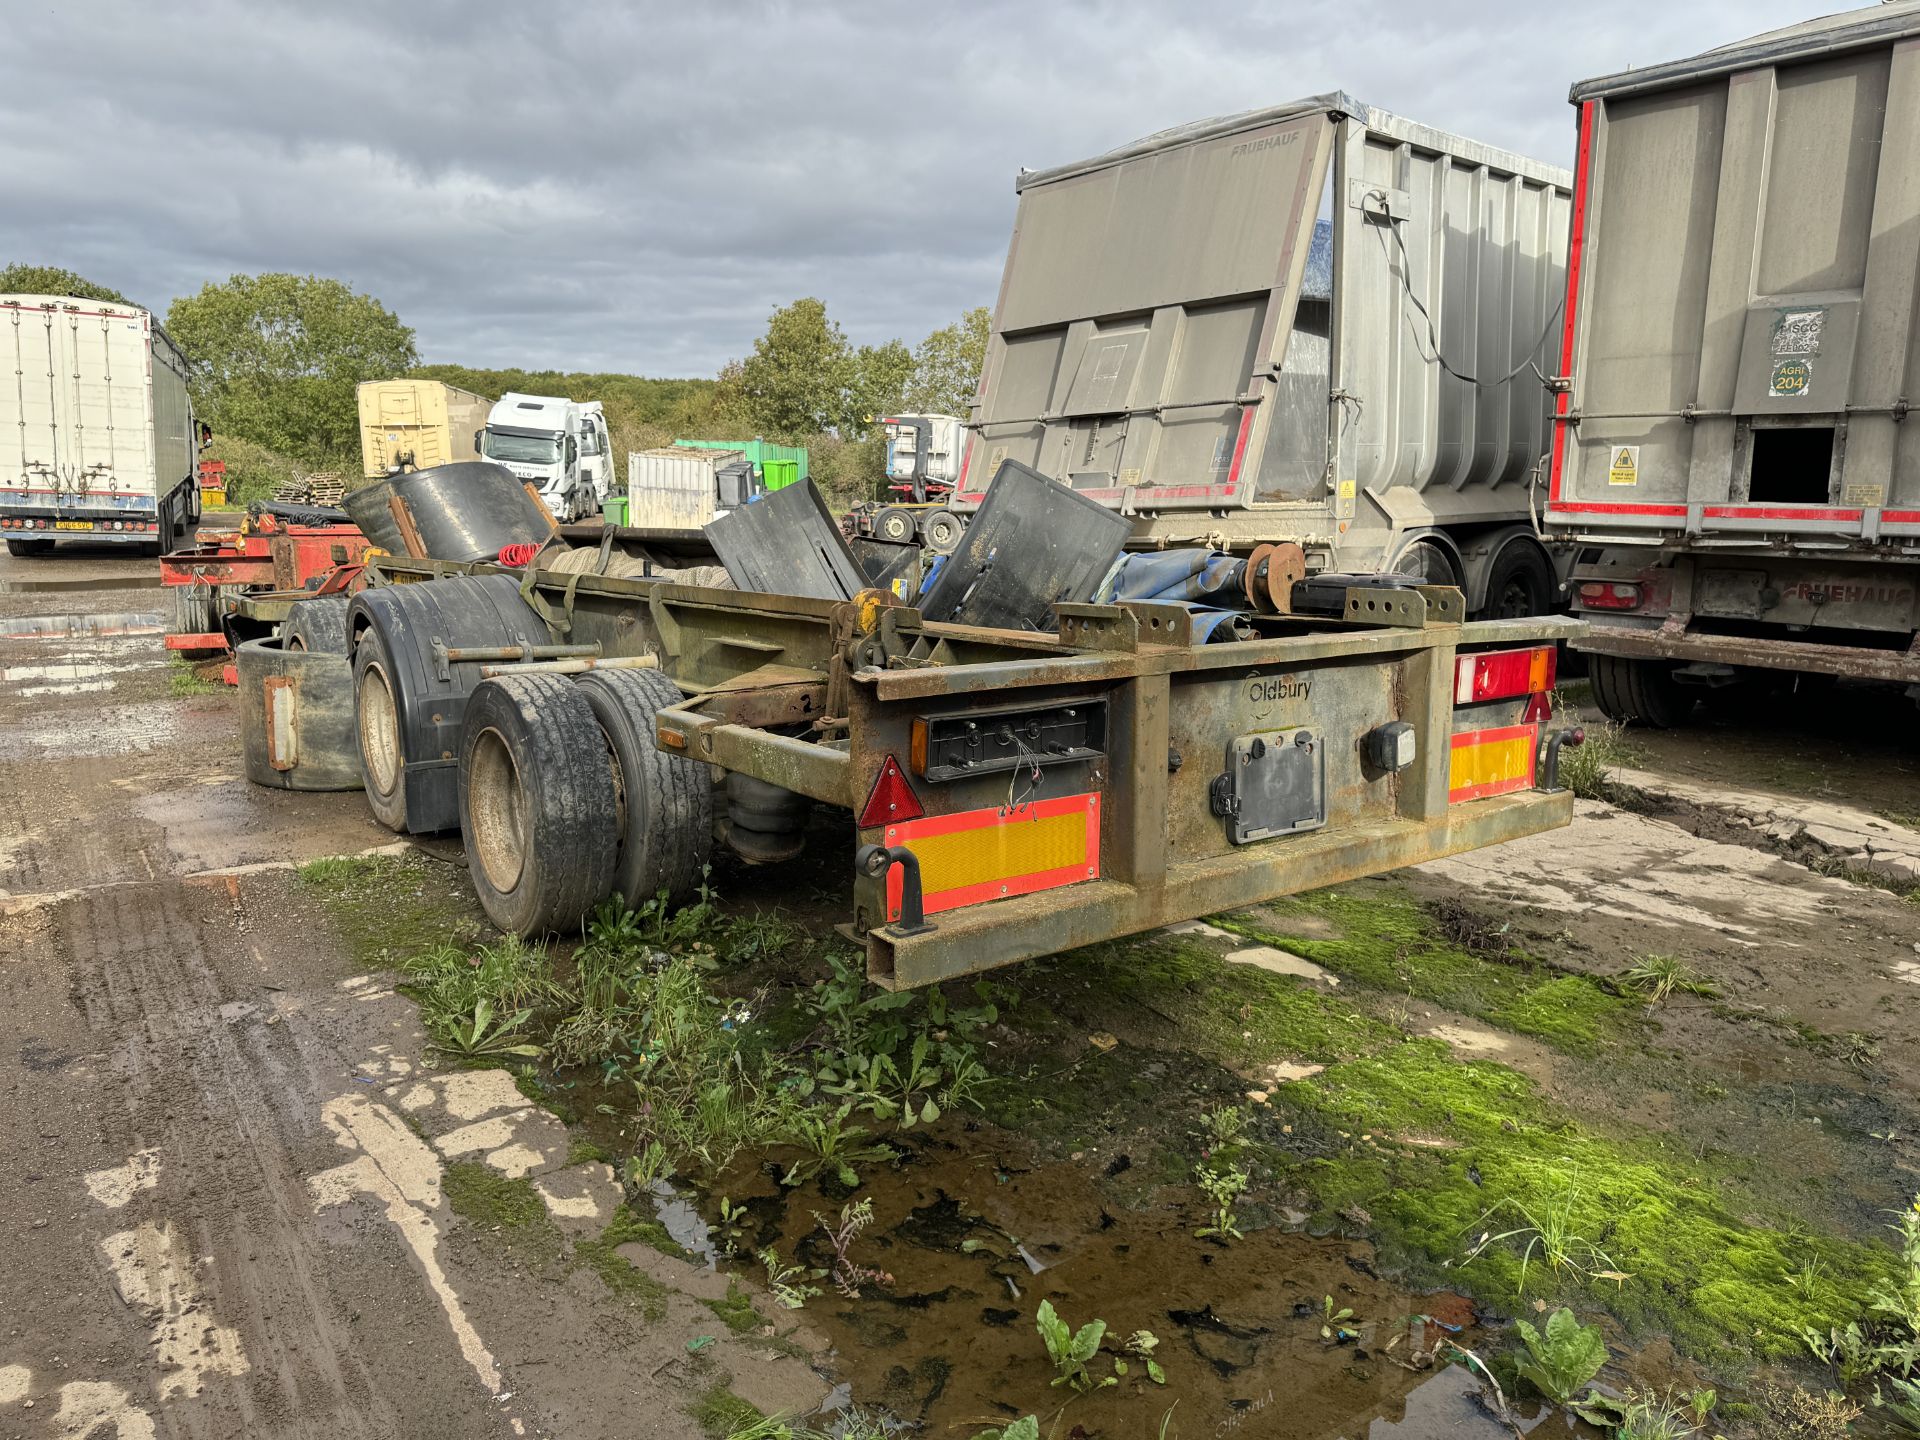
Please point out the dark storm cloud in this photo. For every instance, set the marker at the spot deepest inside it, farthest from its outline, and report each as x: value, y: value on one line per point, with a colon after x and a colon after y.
x: 634, y: 187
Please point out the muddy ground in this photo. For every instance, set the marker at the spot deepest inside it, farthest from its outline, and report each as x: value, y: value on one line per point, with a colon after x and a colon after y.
x: 241, y: 1198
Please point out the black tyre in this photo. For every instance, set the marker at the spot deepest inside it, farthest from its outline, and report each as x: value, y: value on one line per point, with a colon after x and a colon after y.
x: 537, y: 803
x: 1520, y: 584
x: 1639, y: 692
x: 318, y: 625
x: 1428, y: 563
x: 377, y: 721
x: 663, y: 802
x: 941, y: 531
x: 895, y: 525
x: 29, y: 547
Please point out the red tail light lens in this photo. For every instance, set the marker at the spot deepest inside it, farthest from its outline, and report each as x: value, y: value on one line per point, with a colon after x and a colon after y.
x: 1610, y: 595
x: 1503, y: 674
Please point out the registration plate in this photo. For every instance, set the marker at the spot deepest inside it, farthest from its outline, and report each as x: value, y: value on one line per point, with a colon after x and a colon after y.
x: 73, y: 525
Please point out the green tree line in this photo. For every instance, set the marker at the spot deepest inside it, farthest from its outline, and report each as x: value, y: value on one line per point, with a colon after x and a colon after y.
x: 276, y: 360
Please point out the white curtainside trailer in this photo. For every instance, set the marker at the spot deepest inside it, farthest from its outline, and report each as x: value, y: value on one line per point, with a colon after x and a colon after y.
x: 1735, y: 463
x: 1317, y: 324
x: 97, y: 438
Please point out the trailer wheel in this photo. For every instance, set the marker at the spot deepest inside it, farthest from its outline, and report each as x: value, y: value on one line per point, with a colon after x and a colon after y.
x: 377, y: 721
x: 941, y: 530
x: 1427, y: 563
x: 318, y: 625
x: 189, y: 609
x: 1638, y: 692
x: 1520, y: 584
x: 29, y: 547
x: 895, y: 525
x: 663, y: 802
x: 536, y: 803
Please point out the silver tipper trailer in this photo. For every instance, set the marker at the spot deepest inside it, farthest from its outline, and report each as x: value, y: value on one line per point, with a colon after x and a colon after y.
x: 1734, y: 459
x: 1316, y: 324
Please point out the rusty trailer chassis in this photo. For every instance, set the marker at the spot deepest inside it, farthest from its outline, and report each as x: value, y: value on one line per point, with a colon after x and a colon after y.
x: 1108, y: 817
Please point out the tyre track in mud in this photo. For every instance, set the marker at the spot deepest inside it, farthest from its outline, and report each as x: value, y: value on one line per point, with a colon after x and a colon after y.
x: 223, y: 1087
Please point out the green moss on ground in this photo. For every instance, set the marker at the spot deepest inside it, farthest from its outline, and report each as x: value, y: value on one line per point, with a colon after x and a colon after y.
x: 627, y: 1281
x: 1461, y: 1149
x: 736, y: 1311
x: 1424, y: 1151
x: 582, y: 1150
x: 389, y: 908
x: 720, y: 1412
x: 486, y: 1197
x: 184, y: 682
x: 1389, y: 943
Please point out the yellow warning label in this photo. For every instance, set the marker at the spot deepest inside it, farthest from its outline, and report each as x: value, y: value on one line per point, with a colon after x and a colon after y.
x: 1625, y: 469
x: 1871, y: 496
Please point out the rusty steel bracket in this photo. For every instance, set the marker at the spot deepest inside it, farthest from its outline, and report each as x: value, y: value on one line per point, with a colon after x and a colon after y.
x: 1413, y: 609
x: 874, y: 861
x: 1125, y: 627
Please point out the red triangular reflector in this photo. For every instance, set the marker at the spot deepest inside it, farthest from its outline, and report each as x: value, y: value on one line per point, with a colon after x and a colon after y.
x: 891, y: 800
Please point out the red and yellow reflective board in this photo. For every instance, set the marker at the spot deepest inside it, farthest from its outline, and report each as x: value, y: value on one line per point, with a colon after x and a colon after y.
x: 992, y: 854
x: 1492, y: 762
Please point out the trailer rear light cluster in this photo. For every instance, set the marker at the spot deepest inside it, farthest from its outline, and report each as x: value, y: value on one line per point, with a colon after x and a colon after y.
x: 1610, y: 595
x: 23, y: 524
x: 1504, y: 674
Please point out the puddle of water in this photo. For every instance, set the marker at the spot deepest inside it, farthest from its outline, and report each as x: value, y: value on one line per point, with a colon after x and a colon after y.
x: 72, y: 676
x: 93, y: 582
x: 118, y: 730
x: 681, y: 1220
x: 975, y: 1237
x: 68, y: 627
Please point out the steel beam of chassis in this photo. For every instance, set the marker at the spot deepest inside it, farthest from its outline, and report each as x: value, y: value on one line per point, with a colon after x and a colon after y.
x: 986, y: 936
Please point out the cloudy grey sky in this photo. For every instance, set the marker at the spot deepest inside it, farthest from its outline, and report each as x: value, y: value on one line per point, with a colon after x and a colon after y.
x: 596, y: 185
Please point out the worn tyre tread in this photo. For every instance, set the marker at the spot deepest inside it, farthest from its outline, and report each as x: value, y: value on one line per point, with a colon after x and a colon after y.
x: 567, y: 796
x: 669, y: 831
x: 319, y: 625
x: 389, y: 810
x: 1637, y: 692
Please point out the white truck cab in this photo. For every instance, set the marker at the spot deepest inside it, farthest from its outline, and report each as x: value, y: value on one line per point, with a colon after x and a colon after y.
x: 596, y: 449
x: 540, y: 439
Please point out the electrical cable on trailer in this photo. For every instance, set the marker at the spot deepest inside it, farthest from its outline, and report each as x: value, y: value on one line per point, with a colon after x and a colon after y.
x: 1433, y: 337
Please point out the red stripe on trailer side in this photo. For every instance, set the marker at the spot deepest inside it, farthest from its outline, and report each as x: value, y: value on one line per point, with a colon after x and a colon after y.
x: 1779, y: 512
x: 1576, y: 246
x: 1601, y: 507
x: 1240, y: 446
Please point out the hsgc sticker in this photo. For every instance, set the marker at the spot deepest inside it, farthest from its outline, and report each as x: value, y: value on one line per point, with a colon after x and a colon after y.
x: 1791, y: 377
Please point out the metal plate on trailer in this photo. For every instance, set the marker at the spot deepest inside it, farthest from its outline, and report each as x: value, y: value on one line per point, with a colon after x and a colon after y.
x: 787, y: 544
x: 1033, y: 542
x: 1275, y: 784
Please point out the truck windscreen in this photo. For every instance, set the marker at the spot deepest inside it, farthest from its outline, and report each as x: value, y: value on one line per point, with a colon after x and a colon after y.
x: 523, y: 449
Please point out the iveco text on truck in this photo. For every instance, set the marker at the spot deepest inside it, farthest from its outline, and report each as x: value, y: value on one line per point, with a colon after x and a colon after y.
x: 97, y: 436
x: 1735, y: 464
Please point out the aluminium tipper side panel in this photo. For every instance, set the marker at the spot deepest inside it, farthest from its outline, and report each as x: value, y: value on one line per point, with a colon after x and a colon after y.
x: 1227, y: 316
x: 97, y: 410
x: 1441, y: 417
x: 1741, y: 339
